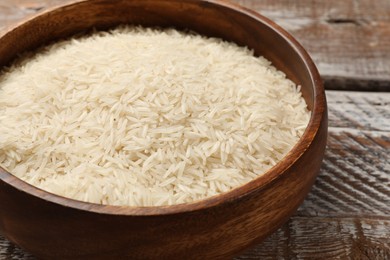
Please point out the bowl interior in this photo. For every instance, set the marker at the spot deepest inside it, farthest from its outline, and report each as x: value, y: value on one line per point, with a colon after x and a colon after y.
x: 210, y: 18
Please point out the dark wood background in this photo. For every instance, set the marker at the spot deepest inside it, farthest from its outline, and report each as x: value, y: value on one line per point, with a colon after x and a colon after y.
x: 347, y: 213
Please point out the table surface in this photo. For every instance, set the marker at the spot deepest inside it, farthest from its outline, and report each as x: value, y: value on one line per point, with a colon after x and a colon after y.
x: 347, y: 213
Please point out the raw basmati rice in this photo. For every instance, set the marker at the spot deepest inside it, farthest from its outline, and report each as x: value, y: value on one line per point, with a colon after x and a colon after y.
x: 145, y: 117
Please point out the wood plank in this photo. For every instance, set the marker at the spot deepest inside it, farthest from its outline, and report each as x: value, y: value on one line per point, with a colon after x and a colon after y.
x: 326, y: 238
x: 359, y: 110
x: 349, y: 40
x: 8, y: 251
x: 354, y: 178
x: 12, y: 11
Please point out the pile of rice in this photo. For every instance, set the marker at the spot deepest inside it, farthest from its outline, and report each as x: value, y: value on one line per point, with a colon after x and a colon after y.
x: 145, y: 117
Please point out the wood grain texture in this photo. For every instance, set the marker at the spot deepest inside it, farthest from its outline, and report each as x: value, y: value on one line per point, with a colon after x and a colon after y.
x: 345, y: 238
x: 359, y: 110
x: 354, y: 178
x: 9, y: 251
x: 216, y: 227
x: 349, y: 40
x: 355, y: 175
x: 12, y: 11
x: 346, y: 215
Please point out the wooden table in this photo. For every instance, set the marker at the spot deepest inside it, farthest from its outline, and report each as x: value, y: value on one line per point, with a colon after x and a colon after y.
x: 347, y: 213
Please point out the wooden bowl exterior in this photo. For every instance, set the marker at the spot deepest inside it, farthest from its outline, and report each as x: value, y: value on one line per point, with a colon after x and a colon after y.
x: 53, y: 227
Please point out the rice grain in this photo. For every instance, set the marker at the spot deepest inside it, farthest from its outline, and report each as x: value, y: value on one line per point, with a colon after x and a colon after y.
x: 145, y: 117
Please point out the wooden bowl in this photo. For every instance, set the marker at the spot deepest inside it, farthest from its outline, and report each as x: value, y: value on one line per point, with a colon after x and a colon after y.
x: 54, y: 227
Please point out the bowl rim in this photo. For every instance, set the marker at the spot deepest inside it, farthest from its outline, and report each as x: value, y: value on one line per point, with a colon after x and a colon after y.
x: 317, y: 113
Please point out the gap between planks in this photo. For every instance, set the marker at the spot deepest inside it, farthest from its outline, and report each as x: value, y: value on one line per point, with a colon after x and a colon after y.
x: 348, y: 40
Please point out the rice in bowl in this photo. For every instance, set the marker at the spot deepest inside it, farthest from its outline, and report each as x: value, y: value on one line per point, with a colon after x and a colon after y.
x: 146, y: 117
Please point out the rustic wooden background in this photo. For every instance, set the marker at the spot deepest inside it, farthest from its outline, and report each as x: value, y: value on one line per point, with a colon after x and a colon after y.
x: 347, y: 214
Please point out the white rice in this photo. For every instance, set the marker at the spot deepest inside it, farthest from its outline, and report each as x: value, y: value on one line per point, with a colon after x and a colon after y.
x: 145, y: 117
